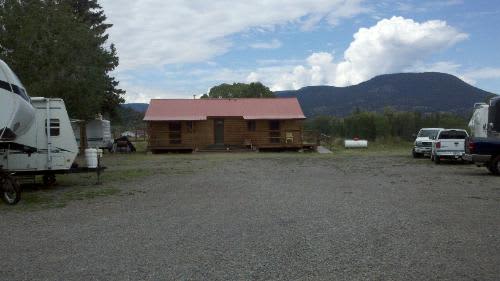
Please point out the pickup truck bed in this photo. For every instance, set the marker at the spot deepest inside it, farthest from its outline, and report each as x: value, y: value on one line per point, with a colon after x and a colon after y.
x: 484, y: 151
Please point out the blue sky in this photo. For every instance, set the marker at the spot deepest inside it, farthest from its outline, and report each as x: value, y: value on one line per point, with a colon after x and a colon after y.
x: 177, y: 48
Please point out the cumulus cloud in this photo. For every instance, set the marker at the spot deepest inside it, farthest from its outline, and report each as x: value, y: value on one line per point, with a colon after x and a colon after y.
x: 158, y: 32
x: 392, y: 45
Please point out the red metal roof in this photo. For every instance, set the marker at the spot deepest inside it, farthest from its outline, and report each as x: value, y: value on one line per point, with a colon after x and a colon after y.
x: 201, y: 109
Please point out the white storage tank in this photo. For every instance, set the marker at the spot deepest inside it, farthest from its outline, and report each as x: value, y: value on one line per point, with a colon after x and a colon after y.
x: 91, y: 156
x: 355, y: 143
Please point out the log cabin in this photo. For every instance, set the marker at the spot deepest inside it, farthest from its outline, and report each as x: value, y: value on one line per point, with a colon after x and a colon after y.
x: 224, y: 124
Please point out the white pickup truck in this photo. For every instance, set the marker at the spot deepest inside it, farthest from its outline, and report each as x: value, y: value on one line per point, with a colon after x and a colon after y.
x: 449, y: 144
x: 423, y: 142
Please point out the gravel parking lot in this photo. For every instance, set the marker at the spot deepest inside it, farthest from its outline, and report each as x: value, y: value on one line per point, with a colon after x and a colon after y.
x: 252, y: 216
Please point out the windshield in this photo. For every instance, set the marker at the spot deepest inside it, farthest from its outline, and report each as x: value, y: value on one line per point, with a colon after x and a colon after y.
x: 428, y: 134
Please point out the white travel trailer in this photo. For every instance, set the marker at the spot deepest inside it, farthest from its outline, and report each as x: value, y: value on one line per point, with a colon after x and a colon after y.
x: 98, y: 133
x: 53, y: 145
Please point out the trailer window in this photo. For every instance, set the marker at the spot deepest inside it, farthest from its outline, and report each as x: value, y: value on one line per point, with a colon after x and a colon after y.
x: 453, y: 135
x: 174, y: 134
x: 55, y: 127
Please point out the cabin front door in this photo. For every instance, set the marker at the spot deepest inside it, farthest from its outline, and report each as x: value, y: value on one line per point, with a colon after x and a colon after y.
x: 219, y: 131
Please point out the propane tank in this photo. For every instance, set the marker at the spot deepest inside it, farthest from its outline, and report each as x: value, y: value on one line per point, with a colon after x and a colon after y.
x: 355, y: 143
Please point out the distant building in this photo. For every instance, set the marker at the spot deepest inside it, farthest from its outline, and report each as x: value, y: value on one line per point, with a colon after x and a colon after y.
x: 192, y: 124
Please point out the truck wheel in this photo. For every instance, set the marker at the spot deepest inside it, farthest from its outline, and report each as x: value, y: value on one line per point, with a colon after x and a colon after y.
x: 437, y: 161
x: 494, y: 166
x: 416, y: 155
x: 10, y: 189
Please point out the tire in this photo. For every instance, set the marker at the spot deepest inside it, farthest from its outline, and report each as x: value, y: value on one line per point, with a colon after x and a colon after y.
x: 494, y: 166
x: 437, y: 161
x: 49, y: 180
x: 417, y: 155
x: 10, y: 190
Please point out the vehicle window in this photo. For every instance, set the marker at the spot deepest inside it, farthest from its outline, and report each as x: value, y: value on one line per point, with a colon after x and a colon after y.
x: 428, y: 133
x: 20, y: 92
x: 447, y: 135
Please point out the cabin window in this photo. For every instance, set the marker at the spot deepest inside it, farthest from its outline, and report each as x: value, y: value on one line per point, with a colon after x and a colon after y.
x: 174, y: 133
x: 274, y: 125
x: 189, y: 125
x: 274, y: 131
x: 55, y: 127
x: 251, y: 126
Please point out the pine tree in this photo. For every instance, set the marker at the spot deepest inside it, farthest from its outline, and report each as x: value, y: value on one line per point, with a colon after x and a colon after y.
x: 58, y: 54
x: 91, y: 13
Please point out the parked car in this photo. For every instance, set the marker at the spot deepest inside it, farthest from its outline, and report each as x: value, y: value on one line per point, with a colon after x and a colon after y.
x: 449, y: 144
x: 424, y: 140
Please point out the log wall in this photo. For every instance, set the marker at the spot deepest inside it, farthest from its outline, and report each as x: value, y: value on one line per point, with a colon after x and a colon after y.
x: 236, y: 133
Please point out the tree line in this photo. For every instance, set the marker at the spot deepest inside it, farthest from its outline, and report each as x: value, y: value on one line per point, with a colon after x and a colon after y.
x: 60, y: 48
x: 390, y: 124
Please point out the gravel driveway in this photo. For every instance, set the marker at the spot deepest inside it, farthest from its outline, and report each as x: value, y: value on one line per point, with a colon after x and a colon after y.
x: 269, y: 217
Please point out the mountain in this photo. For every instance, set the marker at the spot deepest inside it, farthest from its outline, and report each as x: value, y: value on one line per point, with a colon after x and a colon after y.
x: 424, y: 92
x: 139, y: 107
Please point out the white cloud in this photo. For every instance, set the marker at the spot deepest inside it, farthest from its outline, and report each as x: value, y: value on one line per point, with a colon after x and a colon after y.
x: 483, y: 73
x: 392, y: 45
x: 274, y: 44
x: 158, y: 32
x: 423, y: 7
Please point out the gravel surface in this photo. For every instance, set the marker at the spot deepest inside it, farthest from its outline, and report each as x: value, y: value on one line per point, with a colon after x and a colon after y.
x: 270, y: 217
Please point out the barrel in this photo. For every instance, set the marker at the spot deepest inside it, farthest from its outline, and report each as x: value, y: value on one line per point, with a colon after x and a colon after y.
x: 355, y: 143
x: 91, y: 157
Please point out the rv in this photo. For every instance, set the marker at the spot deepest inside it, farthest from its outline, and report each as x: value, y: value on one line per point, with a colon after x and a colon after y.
x: 98, y: 133
x: 52, y: 142
x: 16, y: 113
x: 478, y: 124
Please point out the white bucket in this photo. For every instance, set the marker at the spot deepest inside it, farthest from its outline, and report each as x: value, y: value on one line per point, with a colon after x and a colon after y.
x: 356, y: 143
x: 91, y: 157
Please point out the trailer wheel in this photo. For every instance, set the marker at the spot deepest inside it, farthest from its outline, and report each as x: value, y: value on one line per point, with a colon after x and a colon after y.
x: 11, y: 191
x: 494, y: 166
x: 49, y: 180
